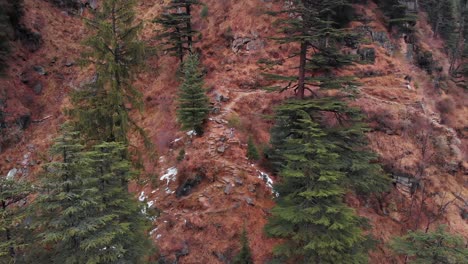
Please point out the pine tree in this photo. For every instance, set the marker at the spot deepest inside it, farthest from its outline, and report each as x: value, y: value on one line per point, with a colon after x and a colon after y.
x: 66, y: 200
x: 432, y: 247
x: 177, y: 32
x: 85, y: 213
x: 244, y: 256
x: 252, y: 152
x: 316, y: 27
x: 121, y: 237
x: 101, y: 110
x: 310, y: 214
x: 362, y: 174
x: 4, y: 42
x: 193, y: 105
x: 398, y: 15
x: 12, y: 217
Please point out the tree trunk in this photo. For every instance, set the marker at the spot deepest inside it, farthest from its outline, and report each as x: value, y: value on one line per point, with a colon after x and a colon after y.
x: 302, y: 65
x: 7, y: 233
x: 189, y: 26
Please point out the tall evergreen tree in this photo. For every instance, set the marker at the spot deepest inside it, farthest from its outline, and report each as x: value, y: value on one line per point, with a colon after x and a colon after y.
x: 316, y: 26
x: 357, y: 162
x: 121, y: 237
x: 85, y: 213
x: 398, y: 15
x: 193, y: 105
x: 177, y: 32
x: 4, y: 45
x: 12, y: 217
x: 102, y: 109
x: 244, y: 256
x: 434, y: 247
x: 310, y: 213
x: 67, y: 199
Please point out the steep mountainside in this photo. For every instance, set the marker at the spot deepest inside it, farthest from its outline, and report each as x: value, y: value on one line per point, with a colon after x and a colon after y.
x: 204, y: 200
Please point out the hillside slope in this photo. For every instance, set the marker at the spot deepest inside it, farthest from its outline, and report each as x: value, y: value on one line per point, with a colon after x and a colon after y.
x: 418, y: 130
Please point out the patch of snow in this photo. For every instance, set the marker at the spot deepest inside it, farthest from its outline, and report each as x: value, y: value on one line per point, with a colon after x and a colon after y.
x: 169, y: 176
x: 176, y: 140
x: 142, y: 196
x: 152, y: 231
x: 268, y: 181
x: 150, y: 203
x: 11, y: 174
x: 161, y: 159
x: 153, y: 191
x: 191, y: 133
x: 158, y: 236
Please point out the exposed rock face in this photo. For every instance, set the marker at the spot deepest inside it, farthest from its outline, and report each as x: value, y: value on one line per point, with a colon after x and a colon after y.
x: 367, y: 54
x: 250, y: 43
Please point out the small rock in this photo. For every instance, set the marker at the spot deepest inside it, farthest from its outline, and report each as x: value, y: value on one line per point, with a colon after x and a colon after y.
x: 37, y: 88
x: 249, y: 201
x: 238, y: 181
x: 69, y: 63
x: 25, y: 77
x: 251, y: 188
x: 221, y: 149
x: 11, y: 174
x: 228, y: 189
x: 40, y: 70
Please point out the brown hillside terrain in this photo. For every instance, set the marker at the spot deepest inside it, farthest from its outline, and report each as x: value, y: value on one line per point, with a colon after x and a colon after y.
x: 418, y: 130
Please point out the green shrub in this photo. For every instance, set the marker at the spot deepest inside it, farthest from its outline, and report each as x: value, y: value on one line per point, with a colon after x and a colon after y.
x: 252, y: 152
x: 204, y: 12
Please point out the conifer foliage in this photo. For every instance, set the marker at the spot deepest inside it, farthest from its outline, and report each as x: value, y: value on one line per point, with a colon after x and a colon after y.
x: 101, y: 109
x: 314, y: 26
x: 85, y: 213
x: 434, y: 247
x: 318, y: 227
x: 193, y: 105
x: 244, y: 256
x: 12, y: 215
x: 252, y: 152
x: 361, y: 172
x: 177, y: 33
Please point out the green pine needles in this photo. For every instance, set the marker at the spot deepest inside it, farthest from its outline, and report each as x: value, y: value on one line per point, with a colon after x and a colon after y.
x: 314, y: 26
x: 252, y: 151
x: 245, y: 255
x: 434, y: 247
x: 13, y: 230
x: 310, y: 215
x: 176, y: 33
x: 193, y: 107
x: 102, y: 109
x: 84, y: 213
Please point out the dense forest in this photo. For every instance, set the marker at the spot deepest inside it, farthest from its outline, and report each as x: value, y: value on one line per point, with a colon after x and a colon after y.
x: 168, y: 122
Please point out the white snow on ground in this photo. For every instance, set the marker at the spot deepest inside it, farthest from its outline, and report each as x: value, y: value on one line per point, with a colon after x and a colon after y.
x: 176, y: 140
x: 152, y: 231
x: 158, y: 236
x: 142, y: 196
x: 150, y: 203
x: 191, y: 133
x: 268, y: 181
x: 169, y: 176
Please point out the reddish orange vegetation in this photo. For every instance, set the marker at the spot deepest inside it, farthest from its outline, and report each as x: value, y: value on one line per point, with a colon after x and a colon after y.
x: 207, y: 221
